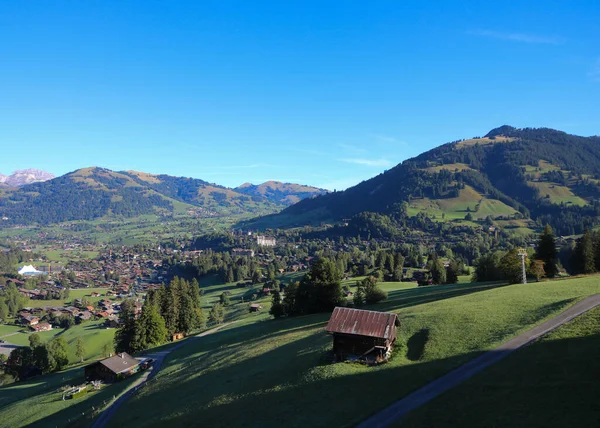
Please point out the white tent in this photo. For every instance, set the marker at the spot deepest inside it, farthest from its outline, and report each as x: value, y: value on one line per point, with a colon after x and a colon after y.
x: 29, y: 270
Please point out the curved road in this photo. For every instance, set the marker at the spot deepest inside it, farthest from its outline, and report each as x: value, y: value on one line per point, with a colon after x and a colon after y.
x: 430, y: 391
x: 158, y: 357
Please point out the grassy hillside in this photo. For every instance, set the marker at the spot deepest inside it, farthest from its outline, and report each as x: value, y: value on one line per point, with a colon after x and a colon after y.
x: 543, y: 174
x: 550, y: 383
x: 227, y: 378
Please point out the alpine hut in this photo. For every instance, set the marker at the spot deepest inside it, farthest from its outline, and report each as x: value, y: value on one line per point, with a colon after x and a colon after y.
x: 362, y: 335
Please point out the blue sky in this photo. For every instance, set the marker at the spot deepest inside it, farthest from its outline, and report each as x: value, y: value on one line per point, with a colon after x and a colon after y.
x: 317, y: 92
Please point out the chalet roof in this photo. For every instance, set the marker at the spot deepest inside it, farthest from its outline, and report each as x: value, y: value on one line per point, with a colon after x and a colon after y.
x: 362, y: 323
x: 120, y: 362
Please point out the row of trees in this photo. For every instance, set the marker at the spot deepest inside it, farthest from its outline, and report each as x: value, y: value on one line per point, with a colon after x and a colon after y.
x: 320, y: 290
x: 167, y: 310
x: 40, y: 357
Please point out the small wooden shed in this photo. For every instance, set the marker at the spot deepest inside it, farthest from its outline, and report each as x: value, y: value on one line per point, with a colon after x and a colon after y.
x: 362, y: 335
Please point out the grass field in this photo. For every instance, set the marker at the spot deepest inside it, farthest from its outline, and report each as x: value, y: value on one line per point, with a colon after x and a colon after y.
x: 557, y: 194
x: 450, y: 167
x: 93, y: 333
x: 468, y: 201
x: 550, y: 383
x: 266, y: 370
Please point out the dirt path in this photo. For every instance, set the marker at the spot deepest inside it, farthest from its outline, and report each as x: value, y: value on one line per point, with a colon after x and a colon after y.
x: 159, y: 357
x: 430, y: 391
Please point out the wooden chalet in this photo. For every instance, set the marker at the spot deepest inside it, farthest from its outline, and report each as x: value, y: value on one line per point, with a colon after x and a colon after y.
x: 112, y: 369
x: 362, y: 335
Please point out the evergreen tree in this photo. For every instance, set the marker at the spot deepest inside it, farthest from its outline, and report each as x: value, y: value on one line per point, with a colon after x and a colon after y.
x: 359, y: 294
x: 584, y: 254
x: 150, y: 329
x: 452, y: 272
x: 277, y: 309
x: 546, y: 251
x: 126, y: 332
x: 217, y: 314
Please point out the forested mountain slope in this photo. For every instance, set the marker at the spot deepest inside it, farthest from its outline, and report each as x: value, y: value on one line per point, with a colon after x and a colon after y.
x: 280, y: 193
x: 508, y: 175
x: 92, y: 193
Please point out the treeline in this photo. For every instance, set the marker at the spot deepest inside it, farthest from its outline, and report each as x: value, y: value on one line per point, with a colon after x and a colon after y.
x: 37, y: 358
x: 167, y: 311
x: 320, y: 290
x: 507, y: 265
x: 11, y: 301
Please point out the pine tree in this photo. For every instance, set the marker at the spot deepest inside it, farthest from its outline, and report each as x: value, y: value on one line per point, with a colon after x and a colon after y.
x: 126, y: 332
x: 150, y: 329
x: 546, y: 251
x: 277, y: 309
x: 584, y: 253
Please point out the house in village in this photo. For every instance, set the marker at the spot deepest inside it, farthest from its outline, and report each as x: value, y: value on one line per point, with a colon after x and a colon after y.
x: 362, y: 335
x: 43, y: 326
x: 112, y: 369
x: 255, y: 307
x: 29, y: 320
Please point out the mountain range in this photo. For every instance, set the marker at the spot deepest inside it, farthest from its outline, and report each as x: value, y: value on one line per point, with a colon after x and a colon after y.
x: 92, y: 193
x: 25, y: 176
x: 512, y: 178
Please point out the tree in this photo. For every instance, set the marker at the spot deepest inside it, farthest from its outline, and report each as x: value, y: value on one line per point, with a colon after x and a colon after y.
x: 359, y: 294
x: 277, y: 308
x: 224, y: 299
x: 150, y: 329
x: 107, y: 349
x: 373, y: 293
x: 321, y: 288
x: 3, y: 310
x: 584, y: 254
x: 452, y: 272
x: 546, y: 252
x: 537, y: 269
x: 59, y: 351
x: 126, y: 332
x: 438, y: 272
x: 289, y: 299
x: 511, y: 266
x: 34, y: 340
x: 217, y: 314
x: 80, y: 348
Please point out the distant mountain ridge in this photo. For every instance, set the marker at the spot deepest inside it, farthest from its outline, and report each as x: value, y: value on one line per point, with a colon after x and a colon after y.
x: 91, y: 193
x: 280, y: 193
x: 25, y: 176
x: 510, y: 177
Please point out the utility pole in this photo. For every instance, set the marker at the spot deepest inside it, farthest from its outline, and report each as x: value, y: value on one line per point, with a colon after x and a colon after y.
x: 523, y: 254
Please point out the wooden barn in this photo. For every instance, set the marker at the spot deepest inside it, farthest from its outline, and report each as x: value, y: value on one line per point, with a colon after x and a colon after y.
x: 362, y: 335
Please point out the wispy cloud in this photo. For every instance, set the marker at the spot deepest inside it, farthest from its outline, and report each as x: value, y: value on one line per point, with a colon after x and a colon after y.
x: 384, y: 138
x: 351, y: 148
x: 519, y: 37
x: 367, y: 162
x: 595, y: 73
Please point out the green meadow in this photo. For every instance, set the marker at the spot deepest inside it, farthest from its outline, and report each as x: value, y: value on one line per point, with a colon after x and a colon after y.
x: 227, y: 378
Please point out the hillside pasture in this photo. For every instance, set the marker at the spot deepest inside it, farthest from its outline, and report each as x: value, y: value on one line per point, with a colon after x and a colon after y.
x: 468, y: 201
x: 452, y: 167
x: 483, y: 141
x: 550, y: 383
x: 556, y: 193
x: 286, y: 363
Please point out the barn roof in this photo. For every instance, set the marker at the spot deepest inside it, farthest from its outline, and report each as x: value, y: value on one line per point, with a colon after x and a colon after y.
x: 362, y: 323
x: 120, y: 362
